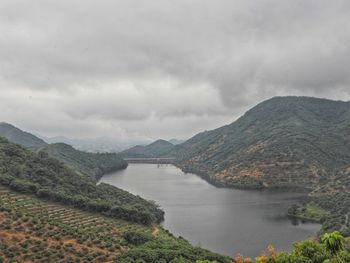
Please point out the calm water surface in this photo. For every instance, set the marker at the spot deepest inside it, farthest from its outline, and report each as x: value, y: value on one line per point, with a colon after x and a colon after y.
x: 222, y: 220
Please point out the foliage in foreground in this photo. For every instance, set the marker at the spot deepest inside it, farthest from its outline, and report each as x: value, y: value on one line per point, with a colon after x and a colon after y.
x: 331, y: 249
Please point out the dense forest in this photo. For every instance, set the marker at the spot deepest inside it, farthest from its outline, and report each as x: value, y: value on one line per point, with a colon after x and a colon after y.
x: 90, y: 164
x: 37, y: 173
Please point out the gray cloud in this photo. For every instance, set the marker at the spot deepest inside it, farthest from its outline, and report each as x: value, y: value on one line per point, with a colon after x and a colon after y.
x: 164, y: 68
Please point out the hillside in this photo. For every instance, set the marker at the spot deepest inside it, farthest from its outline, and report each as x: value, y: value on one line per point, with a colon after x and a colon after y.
x: 33, y: 230
x: 18, y: 136
x: 91, y: 164
x: 36, y: 173
x: 155, y: 149
x: 282, y: 142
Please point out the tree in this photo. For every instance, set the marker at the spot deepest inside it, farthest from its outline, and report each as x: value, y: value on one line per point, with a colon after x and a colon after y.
x: 334, y: 242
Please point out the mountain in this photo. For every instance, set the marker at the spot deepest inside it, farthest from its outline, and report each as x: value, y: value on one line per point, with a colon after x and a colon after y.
x: 91, y: 164
x: 284, y: 142
x: 18, y: 136
x: 293, y: 142
x: 155, y: 149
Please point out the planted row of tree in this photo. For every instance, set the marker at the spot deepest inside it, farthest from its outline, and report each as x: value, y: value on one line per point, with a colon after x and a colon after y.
x: 36, y: 173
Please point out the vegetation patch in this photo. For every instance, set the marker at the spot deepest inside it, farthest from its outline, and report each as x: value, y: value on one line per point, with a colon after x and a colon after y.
x: 37, y: 173
x: 32, y: 230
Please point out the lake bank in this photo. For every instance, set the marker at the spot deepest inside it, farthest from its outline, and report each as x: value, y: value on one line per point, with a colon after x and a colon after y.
x: 220, y: 219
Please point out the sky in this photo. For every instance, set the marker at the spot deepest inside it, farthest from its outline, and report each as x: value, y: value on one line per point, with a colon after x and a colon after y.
x: 164, y: 69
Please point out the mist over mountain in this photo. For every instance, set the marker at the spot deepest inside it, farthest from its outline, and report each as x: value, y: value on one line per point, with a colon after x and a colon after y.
x: 99, y: 144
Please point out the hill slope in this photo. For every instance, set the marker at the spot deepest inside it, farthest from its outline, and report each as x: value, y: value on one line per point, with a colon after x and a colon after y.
x: 33, y: 230
x: 18, y: 136
x: 155, y: 149
x: 91, y: 164
x: 36, y: 173
x: 282, y: 142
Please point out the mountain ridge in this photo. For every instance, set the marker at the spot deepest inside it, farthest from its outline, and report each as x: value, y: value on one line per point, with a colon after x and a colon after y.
x: 18, y: 136
x: 90, y: 164
x: 155, y: 149
x: 265, y: 140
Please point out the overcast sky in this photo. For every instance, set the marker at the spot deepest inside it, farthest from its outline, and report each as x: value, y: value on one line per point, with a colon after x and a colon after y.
x: 163, y: 69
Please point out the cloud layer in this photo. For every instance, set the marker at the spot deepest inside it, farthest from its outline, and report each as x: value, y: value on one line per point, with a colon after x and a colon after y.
x: 162, y: 68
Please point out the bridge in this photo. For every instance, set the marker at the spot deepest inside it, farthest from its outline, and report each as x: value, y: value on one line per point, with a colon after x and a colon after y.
x: 151, y: 160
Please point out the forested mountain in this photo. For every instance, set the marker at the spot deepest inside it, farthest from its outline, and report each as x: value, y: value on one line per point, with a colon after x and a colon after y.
x: 282, y: 142
x: 155, y: 149
x: 91, y: 164
x: 288, y: 142
x: 39, y: 174
x: 18, y: 136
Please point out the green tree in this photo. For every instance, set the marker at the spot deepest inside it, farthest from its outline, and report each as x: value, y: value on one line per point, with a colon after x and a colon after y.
x: 334, y: 242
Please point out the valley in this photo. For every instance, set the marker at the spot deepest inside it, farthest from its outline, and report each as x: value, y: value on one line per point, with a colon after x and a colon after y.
x: 293, y: 152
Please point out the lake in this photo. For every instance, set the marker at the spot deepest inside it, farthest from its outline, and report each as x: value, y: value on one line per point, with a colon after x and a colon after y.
x: 223, y: 220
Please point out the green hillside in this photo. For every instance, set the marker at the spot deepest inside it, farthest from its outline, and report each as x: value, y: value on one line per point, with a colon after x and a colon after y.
x: 33, y: 230
x: 282, y: 142
x: 18, y: 136
x: 91, y: 164
x: 155, y: 149
x: 37, y: 173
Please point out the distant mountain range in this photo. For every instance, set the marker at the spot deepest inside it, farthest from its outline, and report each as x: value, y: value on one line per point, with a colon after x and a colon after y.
x: 91, y: 164
x: 102, y: 144
x: 99, y: 144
